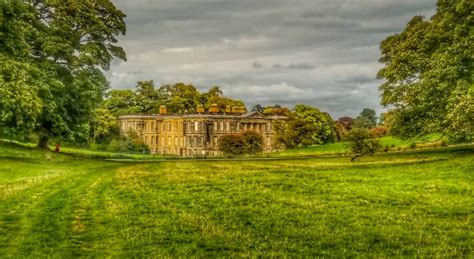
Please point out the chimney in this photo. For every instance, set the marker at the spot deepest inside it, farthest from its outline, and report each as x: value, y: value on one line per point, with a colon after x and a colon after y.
x: 163, y: 110
x: 214, y: 108
x: 200, y: 108
x: 227, y: 109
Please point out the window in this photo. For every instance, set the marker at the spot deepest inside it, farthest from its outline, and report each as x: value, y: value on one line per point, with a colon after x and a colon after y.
x: 196, y: 126
x: 146, y: 140
x: 169, y: 140
x: 221, y: 126
x: 227, y: 126
x: 175, y: 141
x: 237, y: 126
x: 215, y: 125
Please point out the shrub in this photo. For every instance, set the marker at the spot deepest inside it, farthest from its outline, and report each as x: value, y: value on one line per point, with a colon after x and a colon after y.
x: 231, y: 145
x: 378, y: 131
x: 412, y: 145
x: 253, y: 142
x: 360, y: 143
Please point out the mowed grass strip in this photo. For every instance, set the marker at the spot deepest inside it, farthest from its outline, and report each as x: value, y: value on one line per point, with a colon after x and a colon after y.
x: 406, y: 204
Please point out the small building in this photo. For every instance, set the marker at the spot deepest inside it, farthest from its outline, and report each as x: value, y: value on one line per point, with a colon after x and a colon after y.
x: 197, y: 135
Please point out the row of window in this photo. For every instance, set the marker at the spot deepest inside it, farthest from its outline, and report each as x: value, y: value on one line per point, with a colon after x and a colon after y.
x: 190, y: 141
x: 198, y: 126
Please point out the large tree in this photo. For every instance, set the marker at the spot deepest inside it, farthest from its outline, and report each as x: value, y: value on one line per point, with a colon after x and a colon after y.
x: 52, y: 54
x: 366, y: 119
x: 428, y: 73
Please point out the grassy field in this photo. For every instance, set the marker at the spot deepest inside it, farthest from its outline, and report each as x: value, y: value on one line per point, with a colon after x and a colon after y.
x: 416, y: 203
x: 388, y: 142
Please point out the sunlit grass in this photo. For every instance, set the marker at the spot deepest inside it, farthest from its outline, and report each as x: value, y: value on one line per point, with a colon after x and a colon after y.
x: 417, y: 203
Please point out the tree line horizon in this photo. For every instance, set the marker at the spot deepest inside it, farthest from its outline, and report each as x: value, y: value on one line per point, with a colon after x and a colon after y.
x: 53, y: 55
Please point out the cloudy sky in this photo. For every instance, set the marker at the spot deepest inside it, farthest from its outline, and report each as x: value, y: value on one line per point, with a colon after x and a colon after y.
x: 318, y: 52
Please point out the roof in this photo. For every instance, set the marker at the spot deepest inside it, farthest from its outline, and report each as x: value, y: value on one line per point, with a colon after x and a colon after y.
x: 250, y: 115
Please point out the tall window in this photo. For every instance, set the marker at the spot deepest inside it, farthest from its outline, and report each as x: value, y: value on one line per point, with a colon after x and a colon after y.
x: 227, y: 126
x: 196, y: 126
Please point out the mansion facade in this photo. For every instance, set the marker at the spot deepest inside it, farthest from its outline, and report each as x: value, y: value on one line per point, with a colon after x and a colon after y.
x: 197, y: 135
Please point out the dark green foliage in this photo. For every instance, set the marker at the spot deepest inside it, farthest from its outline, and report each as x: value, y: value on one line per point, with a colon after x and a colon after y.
x: 428, y: 72
x: 253, y: 142
x: 321, y: 121
x: 52, y: 54
x: 366, y: 119
x: 306, y: 126
x: 248, y: 143
x: 231, y: 145
x: 295, y: 133
x: 360, y: 143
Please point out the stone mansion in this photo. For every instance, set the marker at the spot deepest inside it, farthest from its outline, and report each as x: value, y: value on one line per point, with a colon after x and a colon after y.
x: 197, y: 134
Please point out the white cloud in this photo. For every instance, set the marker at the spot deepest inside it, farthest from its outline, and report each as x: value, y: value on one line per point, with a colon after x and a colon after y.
x: 178, y: 50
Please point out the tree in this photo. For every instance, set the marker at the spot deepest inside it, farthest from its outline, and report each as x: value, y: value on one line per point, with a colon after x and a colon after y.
x: 360, y: 143
x: 253, y: 142
x: 322, y: 123
x: 340, y: 130
x: 428, y: 73
x: 103, y: 125
x: 366, y: 119
x: 52, y: 54
x: 295, y: 133
x: 231, y: 145
x: 257, y: 108
x: 180, y: 97
x: 347, y: 122
x: 276, y: 110
x: 148, y: 98
x: 121, y: 102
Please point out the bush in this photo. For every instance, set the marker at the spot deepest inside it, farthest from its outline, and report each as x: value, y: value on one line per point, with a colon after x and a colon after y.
x: 231, y: 145
x: 253, y: 142
x: 378, y: 131
x: 360, y: 143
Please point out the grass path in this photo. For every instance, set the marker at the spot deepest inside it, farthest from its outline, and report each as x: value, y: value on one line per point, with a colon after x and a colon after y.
x: 404, y: 204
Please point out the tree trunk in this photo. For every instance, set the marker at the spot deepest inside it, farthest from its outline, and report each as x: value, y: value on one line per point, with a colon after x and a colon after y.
x: 354, y: 157
x: 43, y: 142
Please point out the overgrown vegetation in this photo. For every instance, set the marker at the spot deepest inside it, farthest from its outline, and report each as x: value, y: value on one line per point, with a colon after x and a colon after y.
x: 249, y: 142
x: 360, y: 143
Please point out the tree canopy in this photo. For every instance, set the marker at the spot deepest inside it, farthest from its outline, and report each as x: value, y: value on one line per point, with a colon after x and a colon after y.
x: 52, y: 54
x: 428, y: 73
x: 306, y: 126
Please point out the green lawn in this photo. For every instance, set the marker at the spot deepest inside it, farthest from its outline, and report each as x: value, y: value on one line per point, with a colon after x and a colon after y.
x: 394, y: 144
x: 397, y: 204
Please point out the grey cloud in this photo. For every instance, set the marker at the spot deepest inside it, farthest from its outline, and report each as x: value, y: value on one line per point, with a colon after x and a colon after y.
x: 256, y: 64
x: 301, y: 66
x: 320, y: 52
